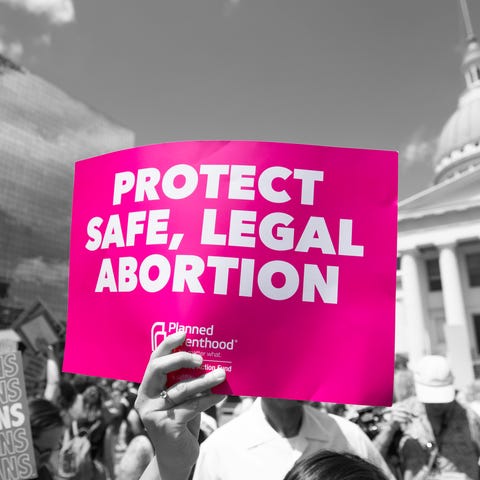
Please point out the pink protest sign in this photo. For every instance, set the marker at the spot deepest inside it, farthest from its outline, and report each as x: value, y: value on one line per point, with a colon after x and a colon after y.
x: 278, y: 260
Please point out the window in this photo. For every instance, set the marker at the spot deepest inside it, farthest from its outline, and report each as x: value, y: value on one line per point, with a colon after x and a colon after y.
x: 3, y: 289
x: 474, y: 74
x: 433, y: 275
x: 473, y: 268
x: 476, y: 326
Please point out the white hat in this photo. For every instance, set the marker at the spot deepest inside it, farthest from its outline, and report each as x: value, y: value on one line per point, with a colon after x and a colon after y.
x: 434, y: 380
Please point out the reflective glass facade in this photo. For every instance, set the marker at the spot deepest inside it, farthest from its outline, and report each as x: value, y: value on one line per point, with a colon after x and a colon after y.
x: 43, y: 131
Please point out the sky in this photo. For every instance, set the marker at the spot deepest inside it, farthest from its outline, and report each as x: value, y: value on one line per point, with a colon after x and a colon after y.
x: 369, y: 74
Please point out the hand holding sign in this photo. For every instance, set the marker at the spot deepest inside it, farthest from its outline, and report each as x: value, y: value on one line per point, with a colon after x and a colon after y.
x: 172, y: 417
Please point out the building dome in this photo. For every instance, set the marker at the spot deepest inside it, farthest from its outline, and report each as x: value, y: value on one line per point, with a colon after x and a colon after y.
x: 458, y: 146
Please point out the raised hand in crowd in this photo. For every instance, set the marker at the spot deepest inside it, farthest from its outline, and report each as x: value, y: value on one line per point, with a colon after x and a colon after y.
x: 52, y: 373
x: 172, y: 416
x: 400, y: 415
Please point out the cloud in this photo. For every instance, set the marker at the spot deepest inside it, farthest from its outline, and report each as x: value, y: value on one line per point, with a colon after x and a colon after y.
x: 44, y: 40
x: 36, y: 270
x: 420, y: 149
x: 12, y: 50
x: 229, y: 6
x: 58, y: 12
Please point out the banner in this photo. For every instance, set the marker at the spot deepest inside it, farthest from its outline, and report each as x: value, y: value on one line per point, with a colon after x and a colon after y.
x: 17, y: 459
x: 35, y: 365
x: 38, y: 328
x: 278, y: 260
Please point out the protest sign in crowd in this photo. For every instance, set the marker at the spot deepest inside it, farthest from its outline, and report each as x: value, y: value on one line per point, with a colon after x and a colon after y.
x: 236, y: 243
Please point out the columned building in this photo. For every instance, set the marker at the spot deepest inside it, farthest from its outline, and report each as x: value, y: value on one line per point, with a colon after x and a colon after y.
x: 438, y: 294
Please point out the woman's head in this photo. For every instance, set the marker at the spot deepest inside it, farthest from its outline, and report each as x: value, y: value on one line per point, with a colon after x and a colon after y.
x: 327, y: 465
x: 92, y: 402
x: 47, y: 429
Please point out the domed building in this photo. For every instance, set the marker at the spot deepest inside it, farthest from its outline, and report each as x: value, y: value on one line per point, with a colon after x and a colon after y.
x: 438, y: 294
x: 459, y: 143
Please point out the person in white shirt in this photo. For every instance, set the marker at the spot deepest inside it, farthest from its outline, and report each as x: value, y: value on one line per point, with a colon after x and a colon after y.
x: 264, y: 442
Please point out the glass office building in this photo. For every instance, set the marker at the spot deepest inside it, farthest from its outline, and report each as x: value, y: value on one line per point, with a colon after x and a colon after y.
x: 43, y: 131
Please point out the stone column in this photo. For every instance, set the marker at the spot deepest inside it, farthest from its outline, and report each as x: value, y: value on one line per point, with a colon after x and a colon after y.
x: 414, y: 306
x: 456, y: 328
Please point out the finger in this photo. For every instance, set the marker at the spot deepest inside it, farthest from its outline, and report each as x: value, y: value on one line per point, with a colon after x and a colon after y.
x: 155, y: 383
x: 186, y: 390
x: 170, y: 343
x: 189, y: 410
x: 182, y: 391
x: 401, y: 420
x: 156, y: 373
x: 175, y: 361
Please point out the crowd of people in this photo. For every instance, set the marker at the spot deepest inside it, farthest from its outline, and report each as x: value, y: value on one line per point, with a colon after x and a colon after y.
x: 87, y: 428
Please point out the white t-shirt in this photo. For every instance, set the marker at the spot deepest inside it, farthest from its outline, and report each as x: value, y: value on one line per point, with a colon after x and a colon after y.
x: 249, y: 448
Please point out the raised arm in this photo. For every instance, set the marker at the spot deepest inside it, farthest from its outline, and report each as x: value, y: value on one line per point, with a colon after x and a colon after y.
x: 172, y: 416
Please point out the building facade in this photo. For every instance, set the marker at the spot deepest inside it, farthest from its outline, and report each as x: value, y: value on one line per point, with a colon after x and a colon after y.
x: 438, y: 294
x: 43, y: 131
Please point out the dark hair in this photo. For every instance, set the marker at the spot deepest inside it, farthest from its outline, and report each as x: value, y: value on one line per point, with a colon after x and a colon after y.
x: 120, y: 386
x: 43, y: 415
x: 401, y: 361
x: 92, y: 398
x: 328, y: 465
x: 68, y: 394
x: 81, y: 382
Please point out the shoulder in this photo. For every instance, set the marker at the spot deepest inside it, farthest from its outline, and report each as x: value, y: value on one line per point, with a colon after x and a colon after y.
x: 221, y: 449
x: 240, y: 427
x: 355, y: 435
x: 463, y: 405
x: 335, y: 426
x: 358, y: 441
x: 472, y: 416
x: 140, y: 445
x: 348, y: 428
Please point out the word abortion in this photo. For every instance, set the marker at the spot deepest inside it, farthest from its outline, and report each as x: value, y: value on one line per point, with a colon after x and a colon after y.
x: 188, y: 270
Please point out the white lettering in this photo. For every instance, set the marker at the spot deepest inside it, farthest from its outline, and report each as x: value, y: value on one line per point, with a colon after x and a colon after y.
x: 265, y: 184
x: 147, y: 180
x: 123, y: 183
x: 241, y: 182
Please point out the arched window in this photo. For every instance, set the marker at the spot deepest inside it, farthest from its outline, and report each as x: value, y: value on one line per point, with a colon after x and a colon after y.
x: 475, y: 74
